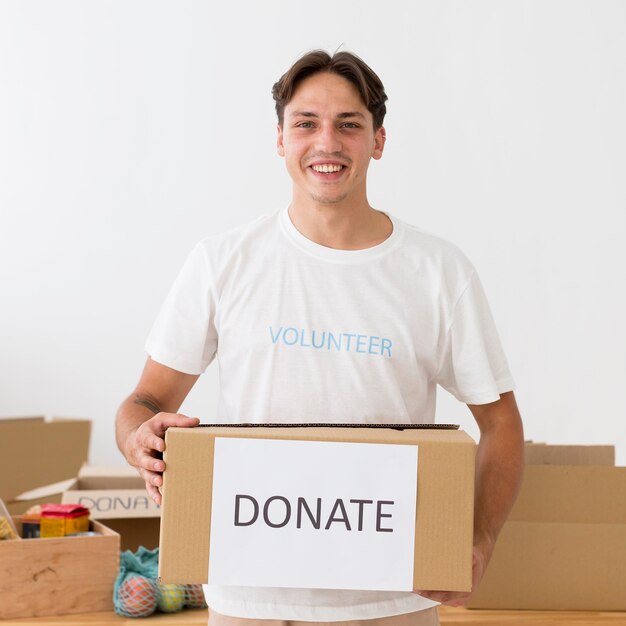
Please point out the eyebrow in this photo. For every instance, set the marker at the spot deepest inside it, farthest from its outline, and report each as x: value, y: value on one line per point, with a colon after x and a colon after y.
x: 341, y: 116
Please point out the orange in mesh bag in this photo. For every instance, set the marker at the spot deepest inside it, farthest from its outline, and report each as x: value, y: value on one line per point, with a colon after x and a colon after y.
x: 136, y: 596
x: 194, y: 597
x: 136, y: 590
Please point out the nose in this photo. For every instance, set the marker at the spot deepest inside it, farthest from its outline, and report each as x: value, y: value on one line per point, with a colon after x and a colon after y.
x: 328, y: 139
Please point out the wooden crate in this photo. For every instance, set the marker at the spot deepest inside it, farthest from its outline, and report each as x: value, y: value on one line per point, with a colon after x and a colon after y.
x: 60, y: 575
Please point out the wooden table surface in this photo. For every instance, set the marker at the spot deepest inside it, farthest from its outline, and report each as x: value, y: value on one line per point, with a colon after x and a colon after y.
x: 448, y: 615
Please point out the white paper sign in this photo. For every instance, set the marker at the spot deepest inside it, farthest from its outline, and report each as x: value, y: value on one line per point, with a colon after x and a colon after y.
x: 313, y: 514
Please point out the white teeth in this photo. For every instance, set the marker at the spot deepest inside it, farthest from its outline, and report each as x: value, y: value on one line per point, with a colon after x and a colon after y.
x: 327, y: 168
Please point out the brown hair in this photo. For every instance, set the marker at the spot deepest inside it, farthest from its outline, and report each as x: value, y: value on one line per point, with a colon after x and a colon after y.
x: 345, y: 64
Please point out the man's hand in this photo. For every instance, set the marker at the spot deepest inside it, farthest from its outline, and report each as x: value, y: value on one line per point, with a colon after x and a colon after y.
x: 145, y: 446
x: 144, y: 416
x: 458, y: 598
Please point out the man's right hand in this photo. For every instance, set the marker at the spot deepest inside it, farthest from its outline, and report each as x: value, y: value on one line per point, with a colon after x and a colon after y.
x: 144, y: 416
x: 146, y: 444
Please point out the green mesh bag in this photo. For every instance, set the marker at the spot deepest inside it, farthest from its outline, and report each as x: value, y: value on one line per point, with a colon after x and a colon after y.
x: 136, y: 591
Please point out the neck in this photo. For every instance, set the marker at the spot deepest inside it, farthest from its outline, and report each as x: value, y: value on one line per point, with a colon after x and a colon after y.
x: 340, y: 226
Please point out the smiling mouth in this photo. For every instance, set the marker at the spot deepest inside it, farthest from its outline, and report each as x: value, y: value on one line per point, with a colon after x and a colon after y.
x: 327, y: 168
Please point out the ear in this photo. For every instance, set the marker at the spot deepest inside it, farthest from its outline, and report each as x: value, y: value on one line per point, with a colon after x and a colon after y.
x: 380, y: 136
x: 279, y: 142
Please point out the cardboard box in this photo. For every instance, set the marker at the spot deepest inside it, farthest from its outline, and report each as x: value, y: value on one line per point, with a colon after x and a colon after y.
x: 35, y: 452
x: 118, y: 496
x: 542, y: 454
x: 564, y: 545
x: 443, y: 514
x: 58, y: 576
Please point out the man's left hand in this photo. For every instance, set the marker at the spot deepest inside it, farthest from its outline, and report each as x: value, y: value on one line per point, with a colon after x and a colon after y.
x: 480, y: 558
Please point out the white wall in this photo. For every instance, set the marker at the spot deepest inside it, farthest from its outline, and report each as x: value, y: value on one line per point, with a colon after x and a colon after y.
x: 129, y: 130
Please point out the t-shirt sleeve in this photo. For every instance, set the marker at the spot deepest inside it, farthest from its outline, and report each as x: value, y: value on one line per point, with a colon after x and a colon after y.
x: 473, y: 366
x: 183, y: 336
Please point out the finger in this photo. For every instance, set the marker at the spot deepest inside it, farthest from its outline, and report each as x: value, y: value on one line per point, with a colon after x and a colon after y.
x: 154, y: 442
x: 154, y: 493
x: 150, y: 463
x: 424, y: 593
x: 167, y: 420
x: 436, y: 596
x: 146, y: 450
x: 151, y: 433
x: 455, y: 599
x: 147, y: 433
x: 151, y: 478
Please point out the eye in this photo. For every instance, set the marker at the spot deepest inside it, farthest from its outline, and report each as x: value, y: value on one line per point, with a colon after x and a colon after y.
x: 304, y: 125
x: 350, y: 125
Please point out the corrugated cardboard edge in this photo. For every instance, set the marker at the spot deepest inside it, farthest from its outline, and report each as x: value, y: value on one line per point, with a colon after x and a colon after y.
x: 193, y: 508
x: 356, y: 425
x: 459, y: 489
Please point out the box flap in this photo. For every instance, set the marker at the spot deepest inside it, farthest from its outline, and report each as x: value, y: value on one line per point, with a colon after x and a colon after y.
x: 111, y: 492
x: 569, y: 493
x: 109, y: 477
x: 543, y: 454
x: 114, y: 503
x: 45, y: 491
x: 35, y: 452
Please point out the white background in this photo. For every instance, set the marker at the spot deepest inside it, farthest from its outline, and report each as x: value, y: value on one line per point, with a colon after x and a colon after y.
x: 131, y: 129
x: 309, y: 558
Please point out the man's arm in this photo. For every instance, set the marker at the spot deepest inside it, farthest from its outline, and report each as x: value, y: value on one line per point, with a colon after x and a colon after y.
x: 499, y: 468
x: 146, y: 414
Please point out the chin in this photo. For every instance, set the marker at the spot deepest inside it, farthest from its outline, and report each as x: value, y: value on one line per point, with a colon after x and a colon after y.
x: 329, y: 199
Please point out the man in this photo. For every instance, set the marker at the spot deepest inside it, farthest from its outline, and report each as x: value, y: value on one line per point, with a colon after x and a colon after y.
x: 285, y: 302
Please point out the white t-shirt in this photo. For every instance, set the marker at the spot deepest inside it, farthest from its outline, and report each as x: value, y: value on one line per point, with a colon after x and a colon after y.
x: 306, y: 333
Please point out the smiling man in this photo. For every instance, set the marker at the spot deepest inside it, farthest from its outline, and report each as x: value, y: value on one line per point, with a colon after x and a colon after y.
x: 331, y: 311
x: 328, y: 136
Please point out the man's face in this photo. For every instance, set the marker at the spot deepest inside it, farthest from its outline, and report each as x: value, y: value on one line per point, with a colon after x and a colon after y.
x: 328, y: 139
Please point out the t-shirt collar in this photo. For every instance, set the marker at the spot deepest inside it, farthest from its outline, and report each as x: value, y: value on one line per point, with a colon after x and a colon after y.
x: 340, y: 256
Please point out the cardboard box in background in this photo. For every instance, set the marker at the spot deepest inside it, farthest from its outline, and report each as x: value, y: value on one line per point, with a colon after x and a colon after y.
x: 564, y: 544
x: 444, y: 514
x: 58, y: 576
x: 543, y: 454
x: 117, y: 495
x: 35, y: 453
